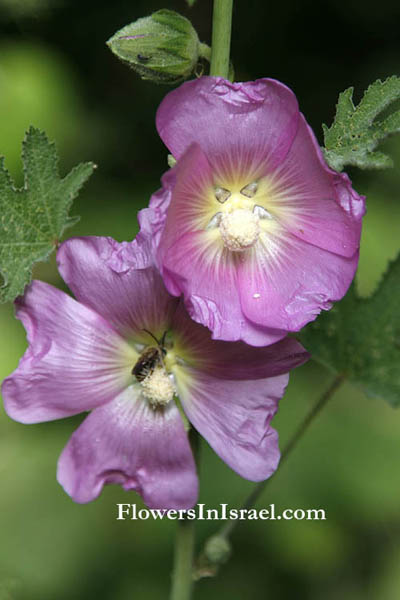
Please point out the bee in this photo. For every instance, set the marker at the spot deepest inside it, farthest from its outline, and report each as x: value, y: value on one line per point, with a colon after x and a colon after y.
x: 150, y: 358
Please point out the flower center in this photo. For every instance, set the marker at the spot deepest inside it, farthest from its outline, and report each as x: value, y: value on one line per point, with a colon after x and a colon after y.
x: 239, y: 229
x: 158, y: 387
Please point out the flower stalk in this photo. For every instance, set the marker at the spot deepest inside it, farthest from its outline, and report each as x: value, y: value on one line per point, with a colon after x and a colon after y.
x: 290, y: 446
x: 221, y: 38
x: 226, y: 531
x: 182, y: 578
x: 182, y: 574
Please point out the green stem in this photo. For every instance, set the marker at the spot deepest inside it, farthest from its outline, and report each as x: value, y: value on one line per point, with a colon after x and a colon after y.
x: 205, y: 51
x: 221, y: 38
x: 226, y: 531
x: 182, y: 574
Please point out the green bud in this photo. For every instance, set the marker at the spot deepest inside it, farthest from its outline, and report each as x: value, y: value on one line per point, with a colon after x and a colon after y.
x: 217, y: 550
x: 163, y: 48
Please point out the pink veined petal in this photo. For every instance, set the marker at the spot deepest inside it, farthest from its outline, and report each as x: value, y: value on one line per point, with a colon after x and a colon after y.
x: 152, y: 219
x: 255, y: 120
x: 232, y: 360
x: 209, y: 283
x: 287, y: 282
x: 103, y: 274
x: 234, y: 417
x: 254, y: 133
x: 129, y: 443
x: 75, y: 361
x: 314, y: 203
x: 350, y: 201
x: 189, y: 208
x: 193, y: 261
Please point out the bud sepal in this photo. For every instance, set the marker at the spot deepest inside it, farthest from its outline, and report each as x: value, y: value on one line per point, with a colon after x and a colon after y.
x: 163, y: 47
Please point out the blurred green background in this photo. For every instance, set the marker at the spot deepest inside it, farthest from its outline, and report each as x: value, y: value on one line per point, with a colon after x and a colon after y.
x: 56, y: 73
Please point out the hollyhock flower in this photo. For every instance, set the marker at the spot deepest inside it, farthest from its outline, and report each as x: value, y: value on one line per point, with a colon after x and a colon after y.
x: 253, y: 227
x: 126, y: 350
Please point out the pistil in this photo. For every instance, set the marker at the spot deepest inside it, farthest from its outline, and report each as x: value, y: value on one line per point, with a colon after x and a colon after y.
x: 239, y: 229
x: 158, y: 387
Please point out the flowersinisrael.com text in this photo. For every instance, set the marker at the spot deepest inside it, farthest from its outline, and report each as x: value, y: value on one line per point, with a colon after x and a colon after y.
x: 222, y: 513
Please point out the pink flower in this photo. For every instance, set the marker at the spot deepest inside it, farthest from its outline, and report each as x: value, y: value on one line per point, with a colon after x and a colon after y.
x: 100, y: 353
x: 252, y: 226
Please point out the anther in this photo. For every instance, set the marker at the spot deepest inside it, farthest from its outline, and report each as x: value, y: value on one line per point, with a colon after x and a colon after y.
x: 262, y: 212
x: 222, y: 194
x: 214, y: 221
x: 250, y: 190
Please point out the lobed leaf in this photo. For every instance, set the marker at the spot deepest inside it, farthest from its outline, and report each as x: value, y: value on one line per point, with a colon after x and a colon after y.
x: 34, y: 217
x: 361, y: 338
x: 355, y: 134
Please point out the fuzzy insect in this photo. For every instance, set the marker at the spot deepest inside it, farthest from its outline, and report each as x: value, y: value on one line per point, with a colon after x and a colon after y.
x: 149, y: 358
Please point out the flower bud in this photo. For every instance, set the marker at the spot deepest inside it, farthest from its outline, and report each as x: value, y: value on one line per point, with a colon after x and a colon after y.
x: 217, y: 550
x: 163, y: 48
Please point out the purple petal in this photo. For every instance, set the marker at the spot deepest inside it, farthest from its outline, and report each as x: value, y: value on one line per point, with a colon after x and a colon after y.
x: 232, y: 360
x: 210, y: 287
x: 106, y: 276
x: 289, y: 287
x: 234, y: 417
x: 129, y: 443
x: 152, y: 219
x: 194, y: 262
x: 307, y: 252
x: 257, y: 119
x: 314, y: 203
x: 75, y: 361
x: 189, y: 208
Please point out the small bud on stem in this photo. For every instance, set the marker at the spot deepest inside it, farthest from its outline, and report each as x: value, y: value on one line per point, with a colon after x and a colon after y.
x: 163, y: 48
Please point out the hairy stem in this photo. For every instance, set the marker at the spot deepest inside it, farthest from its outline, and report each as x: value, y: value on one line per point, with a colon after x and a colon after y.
x: 221, y: 38
x: 205, y: 51
x: 182, y: 574
x: 226, y: 531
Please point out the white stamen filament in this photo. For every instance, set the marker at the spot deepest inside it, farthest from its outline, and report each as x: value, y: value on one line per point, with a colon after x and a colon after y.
x: 158, y: 388
x: 239, y: 229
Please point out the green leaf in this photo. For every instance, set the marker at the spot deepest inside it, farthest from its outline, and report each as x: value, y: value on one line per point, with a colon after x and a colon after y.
x: 33, y: 218
x: 361, y: 338
x: 190, y: 2
x: 355, y: 134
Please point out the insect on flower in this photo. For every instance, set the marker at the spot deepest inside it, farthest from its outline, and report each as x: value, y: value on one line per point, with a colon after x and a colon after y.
x: 80, y: 358
x: 149, y: 358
